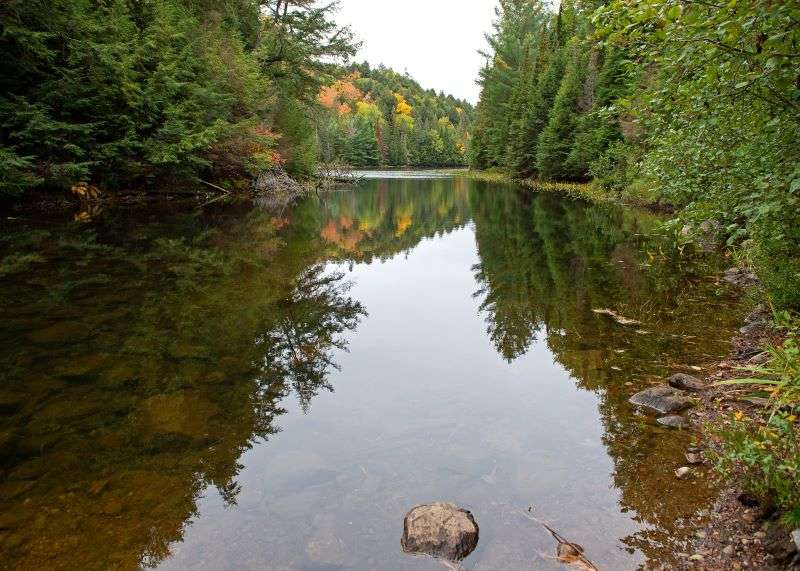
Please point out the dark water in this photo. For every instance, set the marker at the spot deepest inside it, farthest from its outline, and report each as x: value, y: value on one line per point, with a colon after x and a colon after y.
x: 231, y: 388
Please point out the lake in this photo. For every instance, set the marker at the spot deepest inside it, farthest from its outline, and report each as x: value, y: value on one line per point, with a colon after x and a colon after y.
x: 228, y: 387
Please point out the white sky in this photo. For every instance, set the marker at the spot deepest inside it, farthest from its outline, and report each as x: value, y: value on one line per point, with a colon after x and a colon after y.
x: 436, y: 41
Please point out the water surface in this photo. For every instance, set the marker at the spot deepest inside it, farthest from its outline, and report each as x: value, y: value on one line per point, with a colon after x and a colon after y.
x: 235, y: 388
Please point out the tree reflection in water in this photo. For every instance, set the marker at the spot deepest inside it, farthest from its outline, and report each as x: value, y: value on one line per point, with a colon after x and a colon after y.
x: 143, y: 359
x: 144, y: 353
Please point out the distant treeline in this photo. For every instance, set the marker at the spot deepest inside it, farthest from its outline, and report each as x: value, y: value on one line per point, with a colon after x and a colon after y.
x: 375, y: 116
x: 693, y: 103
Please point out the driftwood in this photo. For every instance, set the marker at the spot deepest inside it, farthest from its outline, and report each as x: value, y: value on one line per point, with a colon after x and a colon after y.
x: 573, y: 555
x: 621, y: 319
x: 332, y: 175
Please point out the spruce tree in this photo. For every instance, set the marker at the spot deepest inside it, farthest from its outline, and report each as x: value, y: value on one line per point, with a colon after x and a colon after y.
x: 556, y: 140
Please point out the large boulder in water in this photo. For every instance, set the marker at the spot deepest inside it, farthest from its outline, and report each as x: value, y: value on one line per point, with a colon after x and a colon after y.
x: 663, y: 399
x: 441, y: 530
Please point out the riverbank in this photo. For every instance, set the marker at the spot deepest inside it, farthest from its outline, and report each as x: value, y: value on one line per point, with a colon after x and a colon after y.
x: 744, y: 530
x: 582, y: 190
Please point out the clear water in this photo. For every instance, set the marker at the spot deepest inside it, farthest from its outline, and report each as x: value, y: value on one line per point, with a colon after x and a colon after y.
x: 233, y: 388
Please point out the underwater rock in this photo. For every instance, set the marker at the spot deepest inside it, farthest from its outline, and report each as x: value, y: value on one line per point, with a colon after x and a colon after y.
x: 686, y: 382
x: 440, y: 529
x: 673, y: 421
x: 662, y: 398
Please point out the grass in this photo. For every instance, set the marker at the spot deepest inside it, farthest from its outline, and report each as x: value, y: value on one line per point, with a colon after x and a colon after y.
x: 592, y: 192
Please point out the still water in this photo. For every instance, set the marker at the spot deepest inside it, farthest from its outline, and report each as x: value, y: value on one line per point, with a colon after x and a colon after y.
x: 234, y: 388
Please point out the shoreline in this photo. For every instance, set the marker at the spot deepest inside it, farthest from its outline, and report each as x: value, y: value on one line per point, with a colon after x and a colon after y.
x: 576, y: 190
x: 742, y: 531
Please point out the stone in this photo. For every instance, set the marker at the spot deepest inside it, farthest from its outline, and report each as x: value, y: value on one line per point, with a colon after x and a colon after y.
x: 760, y: 314
x: 441, y: 530
x: 728, y: 550
x: 746, y: 353
x: 673, y: 421
x: 781, y: 543
x: 796, y: 538
x: 751, y: 328
x: 760, y: 359
x: 740, y: 277
x: 748, y: 500
x: 683, y: 472
x: 686, y: 382
x: 662, y: 398
x: 694, y: 458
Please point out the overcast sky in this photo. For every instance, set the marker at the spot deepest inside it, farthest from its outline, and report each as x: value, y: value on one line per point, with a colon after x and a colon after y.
x: 436, y: 41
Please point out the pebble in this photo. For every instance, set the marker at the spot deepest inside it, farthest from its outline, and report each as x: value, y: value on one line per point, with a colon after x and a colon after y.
x: 728, y: 550
x: 683, y: 472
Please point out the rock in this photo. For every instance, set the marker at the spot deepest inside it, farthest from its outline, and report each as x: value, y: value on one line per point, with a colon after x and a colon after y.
x: 796, y: 538
x: 760, y: 359
x: 662, y: 398
x: 728, y: 550
x: 751, y: 328
x: 686, y: 382
x: 780, y: 543
x: 441, y: 530
x: 740, y: 277
x: 694, y: 458
x: 748, y: 500
x: 761, y: 314
x: 673, y: 421
x: 683, y: 472
x: 747, y: 352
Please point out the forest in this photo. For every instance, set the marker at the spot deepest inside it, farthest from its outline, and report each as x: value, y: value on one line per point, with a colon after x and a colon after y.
x: 122, y: 95
x: 691, y: 104
x: 373, y: 117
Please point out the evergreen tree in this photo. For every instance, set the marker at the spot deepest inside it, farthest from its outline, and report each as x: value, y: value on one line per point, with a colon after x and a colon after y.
x: 556, y: 140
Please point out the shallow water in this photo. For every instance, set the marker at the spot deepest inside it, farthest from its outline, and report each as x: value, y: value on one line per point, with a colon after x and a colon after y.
x: 241, y: 389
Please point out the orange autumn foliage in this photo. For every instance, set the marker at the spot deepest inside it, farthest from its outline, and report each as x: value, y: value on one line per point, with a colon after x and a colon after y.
x: 341, y: 93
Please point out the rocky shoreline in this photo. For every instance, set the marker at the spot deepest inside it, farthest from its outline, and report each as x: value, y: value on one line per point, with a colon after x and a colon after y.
x: 742, y: 531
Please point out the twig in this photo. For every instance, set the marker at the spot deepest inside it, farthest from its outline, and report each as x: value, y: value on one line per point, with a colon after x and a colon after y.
x: 561, y: 539
x: 215, y: 186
